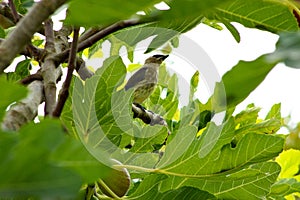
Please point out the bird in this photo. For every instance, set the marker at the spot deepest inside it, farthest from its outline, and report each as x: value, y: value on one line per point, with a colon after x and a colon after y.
x: 145, y: 79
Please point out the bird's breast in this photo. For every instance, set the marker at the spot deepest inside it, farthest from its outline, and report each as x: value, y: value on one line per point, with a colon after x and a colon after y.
x: 151, y: 75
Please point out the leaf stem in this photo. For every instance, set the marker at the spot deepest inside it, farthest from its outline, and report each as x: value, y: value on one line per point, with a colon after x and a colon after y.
x: 162, y: 171
x: 114, y: 196
x: 137, y: 168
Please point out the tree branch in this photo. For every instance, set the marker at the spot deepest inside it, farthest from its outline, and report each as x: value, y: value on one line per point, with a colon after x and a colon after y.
x: 89, y: 33
x: 24, y: 30
x: 25, y: 110
x: 49, y: 34
x: 49, y: 70
x: 148, y: 116
x: 33, y: 77
x: 13, y: 11
x: 82, y: 70
x: 64, y: 93
x: 30, y: 51
x: 33, y: 52
x: 96, y: 37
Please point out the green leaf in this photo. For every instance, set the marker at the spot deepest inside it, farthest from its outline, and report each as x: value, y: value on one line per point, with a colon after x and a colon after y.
x: 175, y: 42
x: 235, y: 33
x: 248, y: 116
x: 275, y: 112
x: 269, y: 126
x: 220, y: 156
x: 30, y: 150
x: 146, y: 141
x: 67, y: 117
x: 187, y: 10
x: 117, y: 44
x: 55, y: 164
x: 287, y: 50
x: 93, y: 12
x: 164, y: 99
x: 23, y: 5
x: 252, y: 182
x: 148, y: 189
x: 10, y: 93
x: 242, y: 168
x: 23, y: 67
x: 212, y: 23
x: 22, y: 70
x: 273, y: 16
x: 74, y: 156
x: 148, y: 186
x: 92, y: 108
x: 178, y: 145
x: 37, y: 42
x: 133, y: 67
x: 240, y: 81
x: 284, y: 187
x: 194, y: 84
x: 2, y: 33
x: 289, y: 162
x: 111, y: 76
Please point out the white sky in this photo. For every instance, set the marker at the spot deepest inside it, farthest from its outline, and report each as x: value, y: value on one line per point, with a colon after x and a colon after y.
x: 282, y: 83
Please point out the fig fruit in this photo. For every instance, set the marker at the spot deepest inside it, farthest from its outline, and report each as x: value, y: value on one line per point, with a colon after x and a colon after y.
x: 117, y: 182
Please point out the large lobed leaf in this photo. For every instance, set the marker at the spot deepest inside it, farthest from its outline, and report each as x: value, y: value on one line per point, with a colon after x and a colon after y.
x: 213, y: 166
x: 42, y: 162
x: 273, y: 16
x: 88, y: 111
x: 94, y: 12
x: 149, y: 189
x: 252, y: 182
x: 103, y: 118
x: 215, y: 153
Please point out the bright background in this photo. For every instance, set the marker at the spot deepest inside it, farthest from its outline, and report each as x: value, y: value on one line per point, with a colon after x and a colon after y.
x: 281, y: 84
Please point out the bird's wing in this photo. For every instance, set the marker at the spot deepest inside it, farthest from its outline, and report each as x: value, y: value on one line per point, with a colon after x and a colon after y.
x: 136, y: 78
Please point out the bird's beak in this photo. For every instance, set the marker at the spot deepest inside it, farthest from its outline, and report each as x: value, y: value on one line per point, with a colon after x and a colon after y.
x: 163, y: 57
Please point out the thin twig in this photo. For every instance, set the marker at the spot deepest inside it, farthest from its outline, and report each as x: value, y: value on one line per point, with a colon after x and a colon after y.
x: 88, y: 33
x: 33, y: 52
x: 33, y: 77
x: 64, y: 93
x: 13, y: 11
